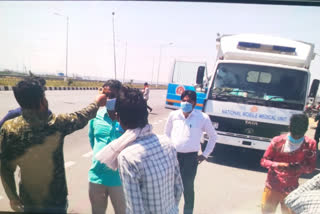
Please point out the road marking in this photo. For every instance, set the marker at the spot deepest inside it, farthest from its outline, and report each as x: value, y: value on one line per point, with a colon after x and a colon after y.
x: 69, y: 164
x: 87, y: 155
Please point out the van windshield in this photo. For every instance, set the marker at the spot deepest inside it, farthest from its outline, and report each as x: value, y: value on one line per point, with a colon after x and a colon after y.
x: 258, y: 84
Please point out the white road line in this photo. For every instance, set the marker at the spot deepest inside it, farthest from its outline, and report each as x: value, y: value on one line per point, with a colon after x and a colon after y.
x: 69, y: 164
x: 87, y: 155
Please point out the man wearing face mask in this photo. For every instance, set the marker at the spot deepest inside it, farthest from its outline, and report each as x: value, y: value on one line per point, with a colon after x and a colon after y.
x: 103, y: 181
x: 287, y: 157
x: 185, y: 127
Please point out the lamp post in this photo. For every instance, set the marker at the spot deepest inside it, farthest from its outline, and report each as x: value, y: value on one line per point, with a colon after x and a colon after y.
x: 152, y: 70
x: 67, y: 41
x: 161, y: 46
x: 114, y: 48
x: 125, y: 62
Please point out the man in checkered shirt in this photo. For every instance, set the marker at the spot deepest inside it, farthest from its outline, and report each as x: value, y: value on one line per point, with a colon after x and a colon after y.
x: 306, y: 198
x: 148, y: 166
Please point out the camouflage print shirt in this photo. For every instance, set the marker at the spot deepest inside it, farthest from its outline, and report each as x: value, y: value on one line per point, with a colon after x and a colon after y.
x: 34, y: 142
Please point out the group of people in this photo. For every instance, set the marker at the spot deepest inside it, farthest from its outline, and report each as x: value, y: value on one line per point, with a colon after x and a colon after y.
x: 140, y: 171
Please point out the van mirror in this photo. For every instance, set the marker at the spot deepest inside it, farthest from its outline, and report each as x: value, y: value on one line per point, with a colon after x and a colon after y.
x: 314, y: 88
x: 200, y: 74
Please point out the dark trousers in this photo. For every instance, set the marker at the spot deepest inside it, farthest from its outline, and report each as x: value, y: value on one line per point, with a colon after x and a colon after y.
x: 188, y: 168
x: 150, y: 109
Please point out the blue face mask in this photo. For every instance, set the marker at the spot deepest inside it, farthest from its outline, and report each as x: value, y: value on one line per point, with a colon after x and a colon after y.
x: 292, y: 140
x: 111, y: 103
x: 186, y: 107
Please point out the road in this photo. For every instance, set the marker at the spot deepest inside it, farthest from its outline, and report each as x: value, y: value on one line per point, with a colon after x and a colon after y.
x: 231, y: 181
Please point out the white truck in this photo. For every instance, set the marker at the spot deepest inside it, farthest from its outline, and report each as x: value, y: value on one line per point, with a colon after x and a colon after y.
x: 259, y: 81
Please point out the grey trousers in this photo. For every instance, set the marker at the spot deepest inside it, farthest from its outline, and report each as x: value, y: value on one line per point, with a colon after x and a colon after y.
x: 99, y: 194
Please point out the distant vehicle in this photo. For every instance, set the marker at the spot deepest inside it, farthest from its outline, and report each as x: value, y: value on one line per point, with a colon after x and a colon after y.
x: 60, y: 74
x: 184, y: 77
x: 259, y: 82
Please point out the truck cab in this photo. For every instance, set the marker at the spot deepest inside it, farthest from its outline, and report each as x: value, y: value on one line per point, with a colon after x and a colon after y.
x: 259, y: 82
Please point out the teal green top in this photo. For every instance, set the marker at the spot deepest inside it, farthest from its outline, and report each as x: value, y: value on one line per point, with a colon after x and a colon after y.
x: 102, y: 130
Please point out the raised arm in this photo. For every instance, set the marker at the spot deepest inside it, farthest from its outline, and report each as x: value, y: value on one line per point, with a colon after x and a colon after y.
x: 69, y: 123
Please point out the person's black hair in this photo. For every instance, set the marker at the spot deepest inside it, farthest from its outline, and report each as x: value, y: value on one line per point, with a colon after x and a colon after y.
x: 191, y: 94
x: 114, y: 84
x: 29, y: 92
x: 146, y: 84
x: 299, y: 124
x: 131, y: 108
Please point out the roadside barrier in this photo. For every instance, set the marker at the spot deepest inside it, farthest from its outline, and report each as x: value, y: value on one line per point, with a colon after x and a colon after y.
x: 51, y: 88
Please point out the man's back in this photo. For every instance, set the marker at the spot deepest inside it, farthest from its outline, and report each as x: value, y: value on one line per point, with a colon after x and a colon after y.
x: 150, y: 173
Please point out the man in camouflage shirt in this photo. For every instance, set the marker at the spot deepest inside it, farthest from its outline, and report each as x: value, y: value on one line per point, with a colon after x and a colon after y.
x: 34, y: 142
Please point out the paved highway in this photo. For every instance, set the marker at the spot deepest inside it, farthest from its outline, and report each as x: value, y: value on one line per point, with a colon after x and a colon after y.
x: 230, y: 182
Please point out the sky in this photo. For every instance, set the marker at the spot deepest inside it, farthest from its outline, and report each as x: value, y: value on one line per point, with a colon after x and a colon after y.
x: 32, y: 37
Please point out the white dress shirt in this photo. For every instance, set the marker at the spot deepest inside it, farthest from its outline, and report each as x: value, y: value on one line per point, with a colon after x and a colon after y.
x: 185, y: 133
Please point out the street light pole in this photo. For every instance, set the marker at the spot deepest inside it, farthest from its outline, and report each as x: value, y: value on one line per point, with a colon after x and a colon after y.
x: 152, y: 70
x: 161, y: 46
x: 114, y: 48
x: 125, y: 61
x: 67, y: 43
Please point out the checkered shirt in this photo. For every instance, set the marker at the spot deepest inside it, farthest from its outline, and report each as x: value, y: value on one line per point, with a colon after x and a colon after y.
x: 150, y: 176
x: 306, y: 198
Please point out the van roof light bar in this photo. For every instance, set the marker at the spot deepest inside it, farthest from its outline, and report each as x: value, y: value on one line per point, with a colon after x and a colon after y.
x: 266, y: 48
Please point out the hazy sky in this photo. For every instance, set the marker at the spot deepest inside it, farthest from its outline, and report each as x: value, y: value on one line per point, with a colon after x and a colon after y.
x: 33, y: 36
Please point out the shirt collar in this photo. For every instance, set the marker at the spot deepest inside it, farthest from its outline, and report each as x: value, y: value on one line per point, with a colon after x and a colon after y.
x: 105, y: 114
x: 35, y: 117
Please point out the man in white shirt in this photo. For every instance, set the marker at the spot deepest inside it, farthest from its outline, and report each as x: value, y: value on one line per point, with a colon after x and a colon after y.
x: 185, y: 127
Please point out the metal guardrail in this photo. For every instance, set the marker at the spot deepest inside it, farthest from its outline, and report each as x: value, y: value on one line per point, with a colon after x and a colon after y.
x: 53, y: 88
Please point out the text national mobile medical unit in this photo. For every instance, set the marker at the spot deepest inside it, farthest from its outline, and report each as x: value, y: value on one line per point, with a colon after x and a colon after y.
x: 259, y: 81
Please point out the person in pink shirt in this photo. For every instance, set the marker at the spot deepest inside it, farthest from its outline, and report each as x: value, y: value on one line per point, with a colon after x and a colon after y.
x: 287, y: 157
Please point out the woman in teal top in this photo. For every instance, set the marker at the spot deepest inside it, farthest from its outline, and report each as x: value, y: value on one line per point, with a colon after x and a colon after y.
x: 103, y: 181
